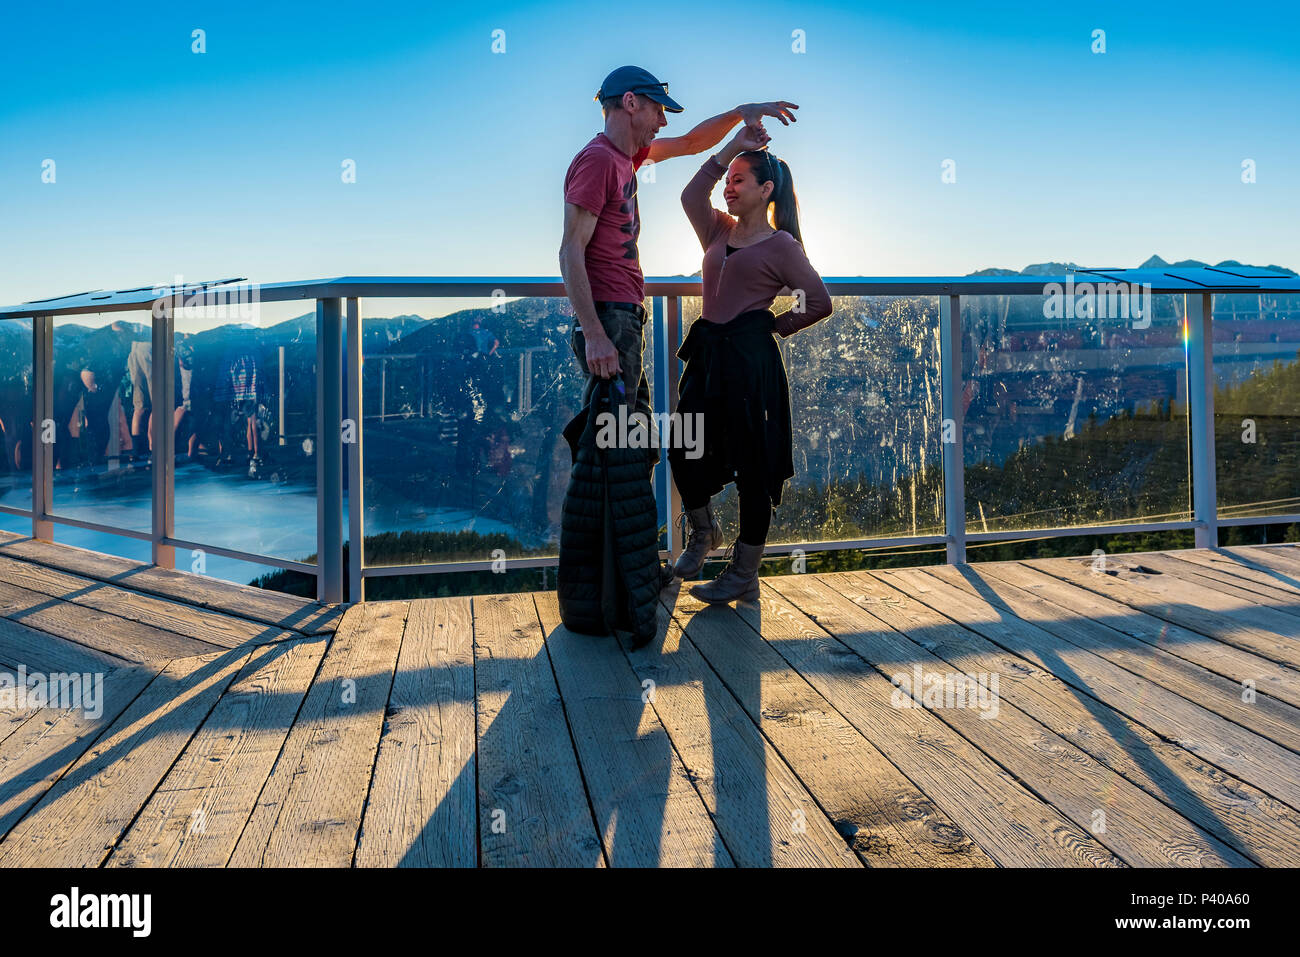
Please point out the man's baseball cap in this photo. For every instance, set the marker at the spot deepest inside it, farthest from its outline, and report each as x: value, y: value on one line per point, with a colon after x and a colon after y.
x: 633, y: 79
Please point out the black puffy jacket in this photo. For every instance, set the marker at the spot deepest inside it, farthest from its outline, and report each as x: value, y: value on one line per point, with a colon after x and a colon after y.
x: 609, y: 575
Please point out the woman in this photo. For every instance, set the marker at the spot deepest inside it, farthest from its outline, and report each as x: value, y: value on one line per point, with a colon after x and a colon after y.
x: 734, y: 376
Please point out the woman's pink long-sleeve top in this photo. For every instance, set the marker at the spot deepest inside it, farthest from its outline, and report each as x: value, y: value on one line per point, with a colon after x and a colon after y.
x: 752, y: 276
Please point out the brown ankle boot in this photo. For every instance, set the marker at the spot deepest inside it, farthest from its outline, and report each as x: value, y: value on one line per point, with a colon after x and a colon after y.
x: 705, y: 536
x: 738, y: 581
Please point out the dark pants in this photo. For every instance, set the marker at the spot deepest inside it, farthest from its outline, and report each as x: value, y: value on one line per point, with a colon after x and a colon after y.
x: 627, y: 332
x: 755, y: 502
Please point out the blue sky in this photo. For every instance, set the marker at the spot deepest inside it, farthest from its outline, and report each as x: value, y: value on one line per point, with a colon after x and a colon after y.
x: 228, y: 163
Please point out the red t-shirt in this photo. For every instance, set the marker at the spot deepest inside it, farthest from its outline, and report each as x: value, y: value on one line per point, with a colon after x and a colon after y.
x: 602, y: 180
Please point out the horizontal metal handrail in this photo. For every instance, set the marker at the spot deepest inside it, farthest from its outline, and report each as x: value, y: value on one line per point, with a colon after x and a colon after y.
x: 95, y: 526
x: 288, y: 564
x: 1161, y: 282
x: 1260, y: 519
x: 1070, y: 531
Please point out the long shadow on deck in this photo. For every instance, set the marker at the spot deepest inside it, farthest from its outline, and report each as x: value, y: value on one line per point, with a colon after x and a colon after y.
x: 630, y: 807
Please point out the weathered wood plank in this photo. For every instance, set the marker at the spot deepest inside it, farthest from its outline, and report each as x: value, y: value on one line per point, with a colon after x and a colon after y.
x: 532, y: 805
x: 1013, y: 826
x: 122, y: 637
x: 1134, y: 825
x: 38, y: 752
x: 1275, y: 564
x: 421, y: 810
x: 11, y: 719
x: 83, y: 815
x: 1272, y: 679
x: 244, y: 601
x: 1242, y: 816
x: 1243, y: 753
x: 44, y: 652
x: 883, y: 816
x: 647, y: 809
x: 1273, y: 719
x: 197, y: 813
x: 1240, y: 566
x: 309, y: 812
x: 1205, y: 576
x: 175, y: 628
x: 1229, y: 620
x: 1280, y: 556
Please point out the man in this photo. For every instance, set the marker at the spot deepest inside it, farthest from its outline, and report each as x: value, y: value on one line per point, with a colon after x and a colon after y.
x: 485, y: 341
x: 139, y: 363
x: 598, y: 254
x: 73, y: 409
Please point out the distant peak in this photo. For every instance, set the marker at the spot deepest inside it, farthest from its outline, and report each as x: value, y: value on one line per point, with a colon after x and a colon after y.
x: 1049, y: 269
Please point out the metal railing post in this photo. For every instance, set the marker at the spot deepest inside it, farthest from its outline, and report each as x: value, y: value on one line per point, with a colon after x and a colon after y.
x: 950, y: 433
x: 1198, y: 308
x: 329, y: 452
x: 657, y: 402
x: 669, y: 370
x: 280, y: 409
x: 44, y: 430
x: 163, y: 434
x: 356, y: 477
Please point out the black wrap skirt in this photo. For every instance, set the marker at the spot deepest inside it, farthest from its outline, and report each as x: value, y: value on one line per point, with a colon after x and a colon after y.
x: 735, y: 378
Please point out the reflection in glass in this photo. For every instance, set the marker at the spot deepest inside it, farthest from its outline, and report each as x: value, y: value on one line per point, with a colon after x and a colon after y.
x: 16, y: 419
x: 1257, y: 404
x: 864, y: 404
x: 102, y: 381
x: 1073, y: 421
x: 465, y: 458
x: 245, y: 433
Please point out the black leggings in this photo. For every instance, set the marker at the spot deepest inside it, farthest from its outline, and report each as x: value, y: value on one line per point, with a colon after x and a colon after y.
x: 755, y: 503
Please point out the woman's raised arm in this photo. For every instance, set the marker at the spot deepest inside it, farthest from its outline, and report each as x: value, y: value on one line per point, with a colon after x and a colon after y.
x: 707, y: 220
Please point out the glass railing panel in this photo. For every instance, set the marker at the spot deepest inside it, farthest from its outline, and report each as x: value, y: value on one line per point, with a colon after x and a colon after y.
x: 245, y: 428
x: 864, y: 410
x: 16, y: 421
x: 101, y: 381
x: 1257, y: 404
x: 1075, y: 414
x: 464, y: 409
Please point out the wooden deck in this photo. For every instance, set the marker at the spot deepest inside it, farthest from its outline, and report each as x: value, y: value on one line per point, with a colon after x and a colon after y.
x: 1145, y: 716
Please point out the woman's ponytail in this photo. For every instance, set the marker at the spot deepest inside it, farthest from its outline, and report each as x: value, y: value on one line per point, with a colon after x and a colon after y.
x: 783, y: 205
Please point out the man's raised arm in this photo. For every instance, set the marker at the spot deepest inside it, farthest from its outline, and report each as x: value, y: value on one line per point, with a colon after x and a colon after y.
x: 709, y: 133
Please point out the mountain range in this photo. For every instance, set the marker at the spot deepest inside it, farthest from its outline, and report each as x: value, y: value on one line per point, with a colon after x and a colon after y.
x: 1154, y: 262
